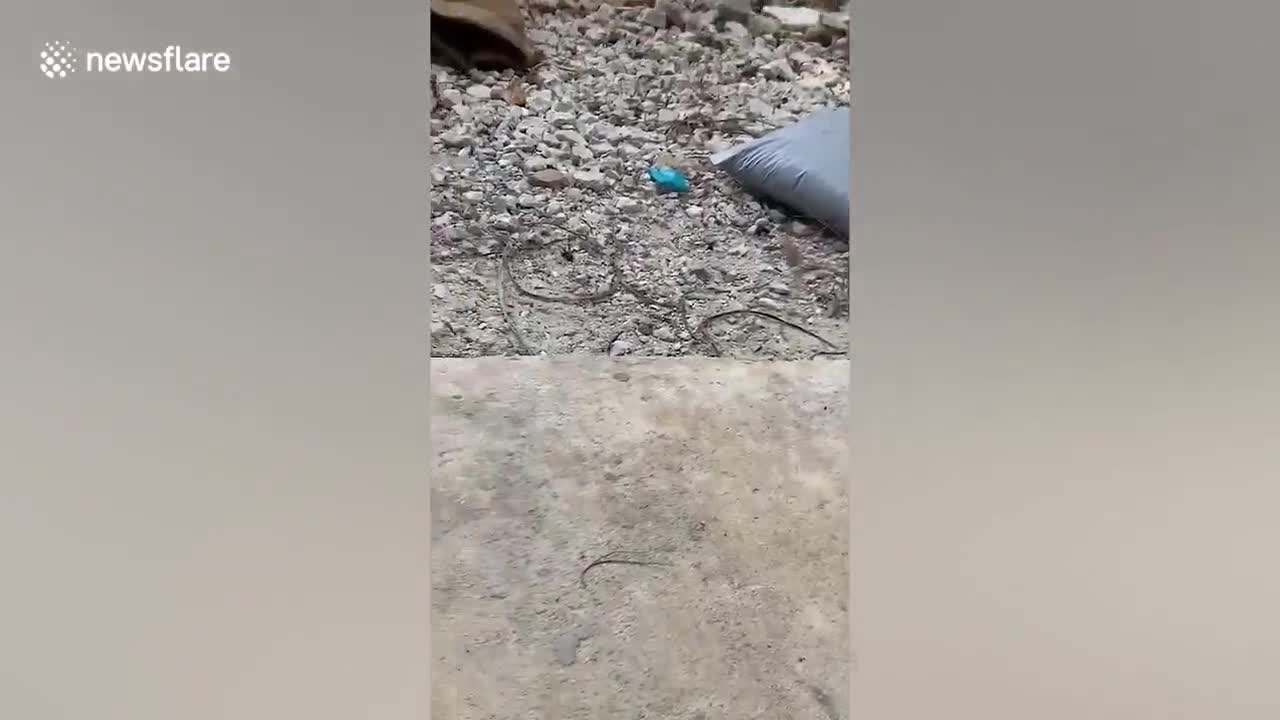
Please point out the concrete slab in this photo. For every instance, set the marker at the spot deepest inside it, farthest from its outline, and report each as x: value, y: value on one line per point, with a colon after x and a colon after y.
x: 718, y: 487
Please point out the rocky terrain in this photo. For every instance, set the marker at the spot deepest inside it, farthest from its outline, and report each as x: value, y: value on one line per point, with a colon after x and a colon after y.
x: 549, y: 237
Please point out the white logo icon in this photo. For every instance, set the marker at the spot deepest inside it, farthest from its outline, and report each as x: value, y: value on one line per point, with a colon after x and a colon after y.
x: 58, y: 59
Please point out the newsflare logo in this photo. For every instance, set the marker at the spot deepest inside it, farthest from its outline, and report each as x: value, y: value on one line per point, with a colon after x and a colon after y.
x: 60, y: 59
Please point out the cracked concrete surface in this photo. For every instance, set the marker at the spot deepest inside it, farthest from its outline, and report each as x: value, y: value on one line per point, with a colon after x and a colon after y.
x: 726, y: 478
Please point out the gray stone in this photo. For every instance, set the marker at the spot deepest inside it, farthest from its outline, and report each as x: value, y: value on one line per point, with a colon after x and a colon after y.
x: 573, y: 137
x: 561, y: 119
x: 456, y: 139
x: 794, y: 18
x: 764, y: 25
x: 535, y: 163
x: 838, y: 22
x: 539, y: 101
x: 738, y: 11
x: 590, y: 179
x: 779, y: 69
x: 676, y: 16
x: 628, y: 205
x: 548, y: 178
x: 759, y: 108
x: 655, y: 18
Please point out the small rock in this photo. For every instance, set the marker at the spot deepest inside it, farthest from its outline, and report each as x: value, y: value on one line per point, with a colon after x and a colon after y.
x: 763, y: 25
x: 779, y: 69
x: 548, y: 178
x: 456, y: 139
x: 837, y: 22
x: 701, y: 274
x: 769, y: 303
x: 819, y: 34
x: 480, y: 92
x: 583, y: 153
x: 739, y: 11
x: 701, y: 21
x: 561, y: 119
x: 759, y: 108
x: 779, y: 288
x: 536, y: 163
x: 590, y: 180
x: 573, y: 137
x: 620, y: 347
x: 798, y: 227
x: 655, y: 18
x: 794, y: 18
x: 629, y: 206
x: 530, y: 201
x: 539, y: 100
x: 664, y: 334
x: 675, y: 13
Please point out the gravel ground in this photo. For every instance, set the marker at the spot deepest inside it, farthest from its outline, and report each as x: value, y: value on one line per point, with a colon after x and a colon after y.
x: 547, y: 235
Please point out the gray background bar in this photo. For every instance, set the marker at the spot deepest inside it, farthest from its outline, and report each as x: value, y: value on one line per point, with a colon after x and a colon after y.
x: 1064, y: 361
x: 213, y: 497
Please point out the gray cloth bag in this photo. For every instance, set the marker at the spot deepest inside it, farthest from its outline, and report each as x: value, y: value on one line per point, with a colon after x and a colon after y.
x: 804, y: 166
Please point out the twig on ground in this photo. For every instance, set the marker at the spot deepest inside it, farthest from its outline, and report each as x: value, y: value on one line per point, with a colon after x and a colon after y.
x: 610, y: 558
x: 521, y: 345
x: 703, y: 331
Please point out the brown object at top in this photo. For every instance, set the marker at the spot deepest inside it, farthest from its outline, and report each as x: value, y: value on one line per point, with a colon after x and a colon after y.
x: 479, y: 35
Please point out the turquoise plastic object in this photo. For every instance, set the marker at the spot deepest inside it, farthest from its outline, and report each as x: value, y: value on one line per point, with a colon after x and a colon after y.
x: 669, y: 179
